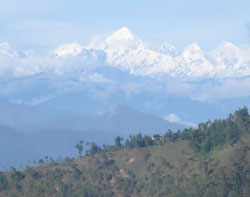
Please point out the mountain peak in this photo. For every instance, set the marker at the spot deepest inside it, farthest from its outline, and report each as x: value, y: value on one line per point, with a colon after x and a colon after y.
x: 193, y: 47
x: 227, y: 43
x: 192, y: 50
x: 168, y: 49
x: 122, y: 34
x: 225, y: 46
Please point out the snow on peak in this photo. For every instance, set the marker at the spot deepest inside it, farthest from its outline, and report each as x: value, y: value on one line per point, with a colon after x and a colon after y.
x: 193, y: 51
x: 122, y: 34
x: 195, y: 62
x: 226, y: 48
x: 227, y: 44
x: 229, y: 59
x: 168, y: 49
x: 124, y: 51
x: 73, y: 48
x: 193, y: 48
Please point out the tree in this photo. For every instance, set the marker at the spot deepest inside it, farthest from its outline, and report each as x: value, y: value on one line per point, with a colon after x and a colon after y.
x: 79, y: 147
x: 156, y: 137
x: 148, y: 141
x: 118, y: 140
x: 94, y: 149
x: 16, y: 175
x: 3, y: 182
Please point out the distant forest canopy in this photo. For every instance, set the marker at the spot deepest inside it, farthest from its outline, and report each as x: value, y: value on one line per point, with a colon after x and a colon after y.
x: 204, y: 138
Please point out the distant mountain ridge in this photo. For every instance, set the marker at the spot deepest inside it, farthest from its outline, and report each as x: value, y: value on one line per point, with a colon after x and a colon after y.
x: 15, y: 115
x: 120, y: 119
x: 33, y: 132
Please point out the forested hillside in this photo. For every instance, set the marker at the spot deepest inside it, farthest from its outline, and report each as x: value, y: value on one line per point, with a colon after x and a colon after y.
x: 211, y: 160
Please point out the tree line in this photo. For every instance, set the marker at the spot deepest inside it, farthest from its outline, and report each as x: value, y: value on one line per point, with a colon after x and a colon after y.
x: 204, y: 138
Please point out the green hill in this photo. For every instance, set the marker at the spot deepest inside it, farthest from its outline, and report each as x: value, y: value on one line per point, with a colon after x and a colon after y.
x: 212, y: 160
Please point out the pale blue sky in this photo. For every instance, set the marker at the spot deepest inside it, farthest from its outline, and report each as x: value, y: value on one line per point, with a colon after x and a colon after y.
x: 43, y: 24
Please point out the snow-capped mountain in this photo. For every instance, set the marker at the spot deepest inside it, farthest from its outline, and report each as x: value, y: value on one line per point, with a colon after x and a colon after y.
x: 194, y: 62
x: 230, y: 60
x: 125, y: 51
x: 128, y: 53
x: 123, y: 69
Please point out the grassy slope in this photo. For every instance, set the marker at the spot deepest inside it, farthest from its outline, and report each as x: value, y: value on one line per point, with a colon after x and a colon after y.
x: 172, y: 169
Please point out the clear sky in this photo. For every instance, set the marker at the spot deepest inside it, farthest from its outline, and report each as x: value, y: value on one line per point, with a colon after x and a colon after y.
x: 43, y: 24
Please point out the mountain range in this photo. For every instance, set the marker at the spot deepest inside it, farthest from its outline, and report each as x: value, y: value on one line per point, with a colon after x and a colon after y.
x: 122, y: 69
x: 32, y: 132
x: 115, y: 86
x: 124, y: 51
